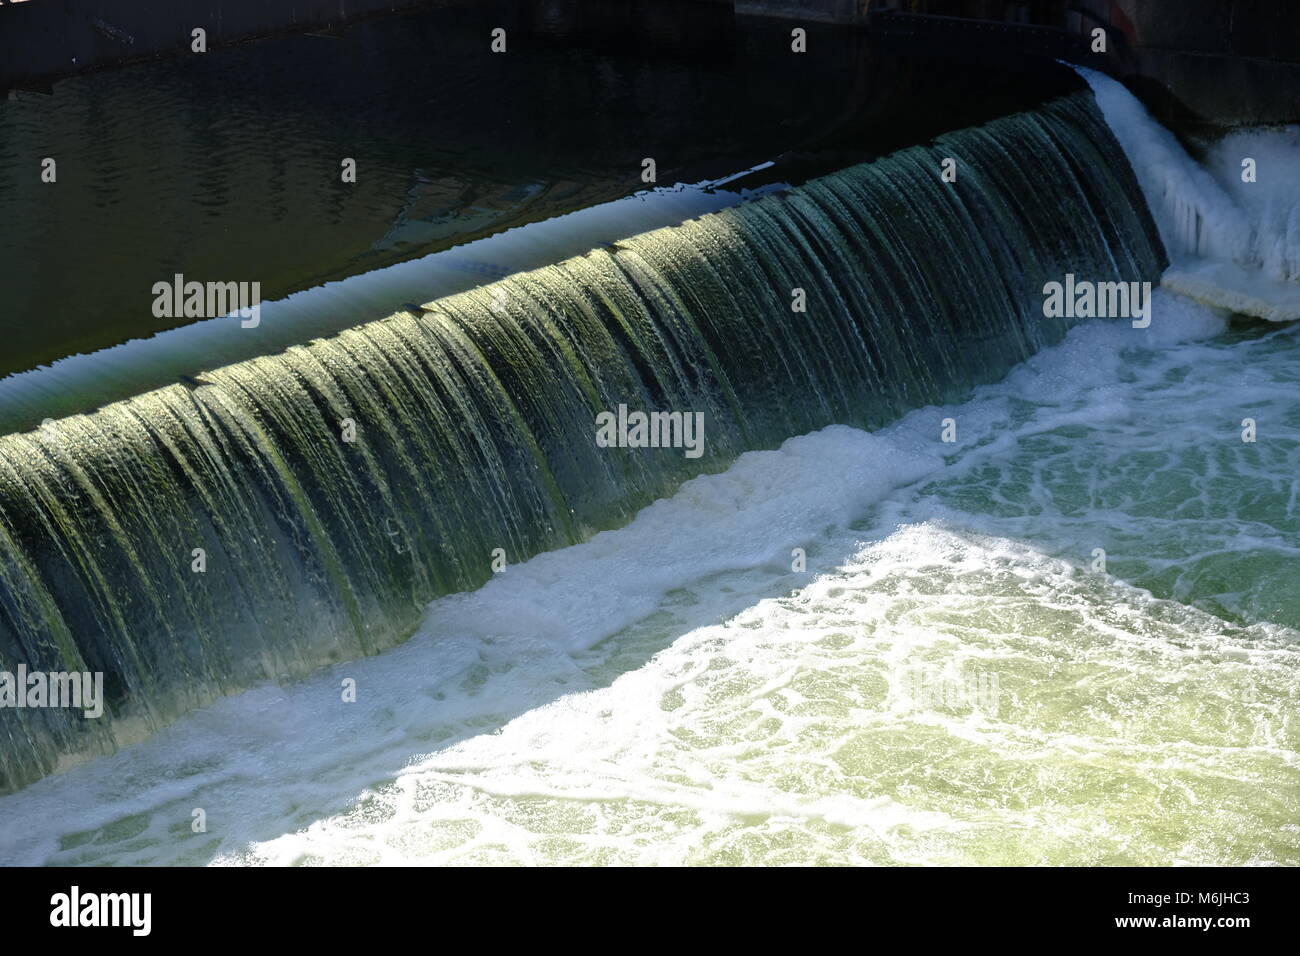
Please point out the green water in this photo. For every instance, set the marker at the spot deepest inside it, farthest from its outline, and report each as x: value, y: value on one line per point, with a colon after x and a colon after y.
x: 473, y: 420
x: 1145, y: 716
x: 950, y: 680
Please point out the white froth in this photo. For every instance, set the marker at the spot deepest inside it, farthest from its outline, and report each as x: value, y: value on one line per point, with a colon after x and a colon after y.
x: 673, y: 692
x: 1232, y: 244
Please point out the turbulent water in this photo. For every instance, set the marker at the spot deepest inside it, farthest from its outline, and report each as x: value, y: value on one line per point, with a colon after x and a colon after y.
x: 950, y: 679
x: 1232, y: 226
x: 1068, y: 635
x: 297, y: 509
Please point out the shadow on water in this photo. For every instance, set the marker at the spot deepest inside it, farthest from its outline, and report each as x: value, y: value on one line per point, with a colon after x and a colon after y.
x: 227, y: 167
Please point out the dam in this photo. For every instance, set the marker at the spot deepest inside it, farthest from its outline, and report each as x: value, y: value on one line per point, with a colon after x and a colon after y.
x: 476, y: 419
x: 912, y: 563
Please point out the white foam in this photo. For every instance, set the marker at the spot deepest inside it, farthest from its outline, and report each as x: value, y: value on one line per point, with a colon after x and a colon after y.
x: 1231, y: 245
x: 263, y: 750
x: 673, y: 692
x: 1226, y: 285
x: 1272, y: 201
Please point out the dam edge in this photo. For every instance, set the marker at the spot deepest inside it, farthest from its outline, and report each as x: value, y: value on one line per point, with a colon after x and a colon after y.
x: 1198, y: 63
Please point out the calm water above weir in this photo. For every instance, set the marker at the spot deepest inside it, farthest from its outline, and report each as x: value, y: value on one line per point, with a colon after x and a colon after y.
x: 226, y: 166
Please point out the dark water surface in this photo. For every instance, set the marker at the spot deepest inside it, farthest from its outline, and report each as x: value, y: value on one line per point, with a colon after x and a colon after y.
x: 226, y: 166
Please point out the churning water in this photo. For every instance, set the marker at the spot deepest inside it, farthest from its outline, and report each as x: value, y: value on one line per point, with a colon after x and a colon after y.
x: 1230, y: 227
x: 1069, y: 635
x: 473, y: 418
x: 671, y: 692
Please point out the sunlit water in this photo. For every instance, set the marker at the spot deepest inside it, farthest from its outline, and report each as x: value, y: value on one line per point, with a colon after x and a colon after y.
x: 1231, y: 228
x: 951, y: 680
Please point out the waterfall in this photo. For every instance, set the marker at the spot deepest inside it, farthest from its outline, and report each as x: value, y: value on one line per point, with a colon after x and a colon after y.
x: 473, y: 419
x: 1234, y: 240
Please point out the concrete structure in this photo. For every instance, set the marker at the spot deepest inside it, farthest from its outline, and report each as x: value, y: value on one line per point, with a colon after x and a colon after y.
x: 1230, y: 61
x: 1218, y: 62
x: 837, y: 11
x: 1194, y: 62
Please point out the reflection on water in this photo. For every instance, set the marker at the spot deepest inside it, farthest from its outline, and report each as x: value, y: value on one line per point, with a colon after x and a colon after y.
x: 226, y: 166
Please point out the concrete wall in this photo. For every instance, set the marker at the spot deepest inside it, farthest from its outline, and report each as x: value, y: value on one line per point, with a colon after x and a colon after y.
x: 837, y: 11
x: 1194, y: 62
x: 1215, y: 61
x: 1269, y: 29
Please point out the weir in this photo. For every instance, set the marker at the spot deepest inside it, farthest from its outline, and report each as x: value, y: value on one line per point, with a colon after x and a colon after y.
x: 204, y: 537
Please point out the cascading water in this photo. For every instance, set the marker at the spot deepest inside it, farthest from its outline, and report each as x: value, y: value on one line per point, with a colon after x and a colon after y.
x: 1231, y: 228
x: 474, y: 419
